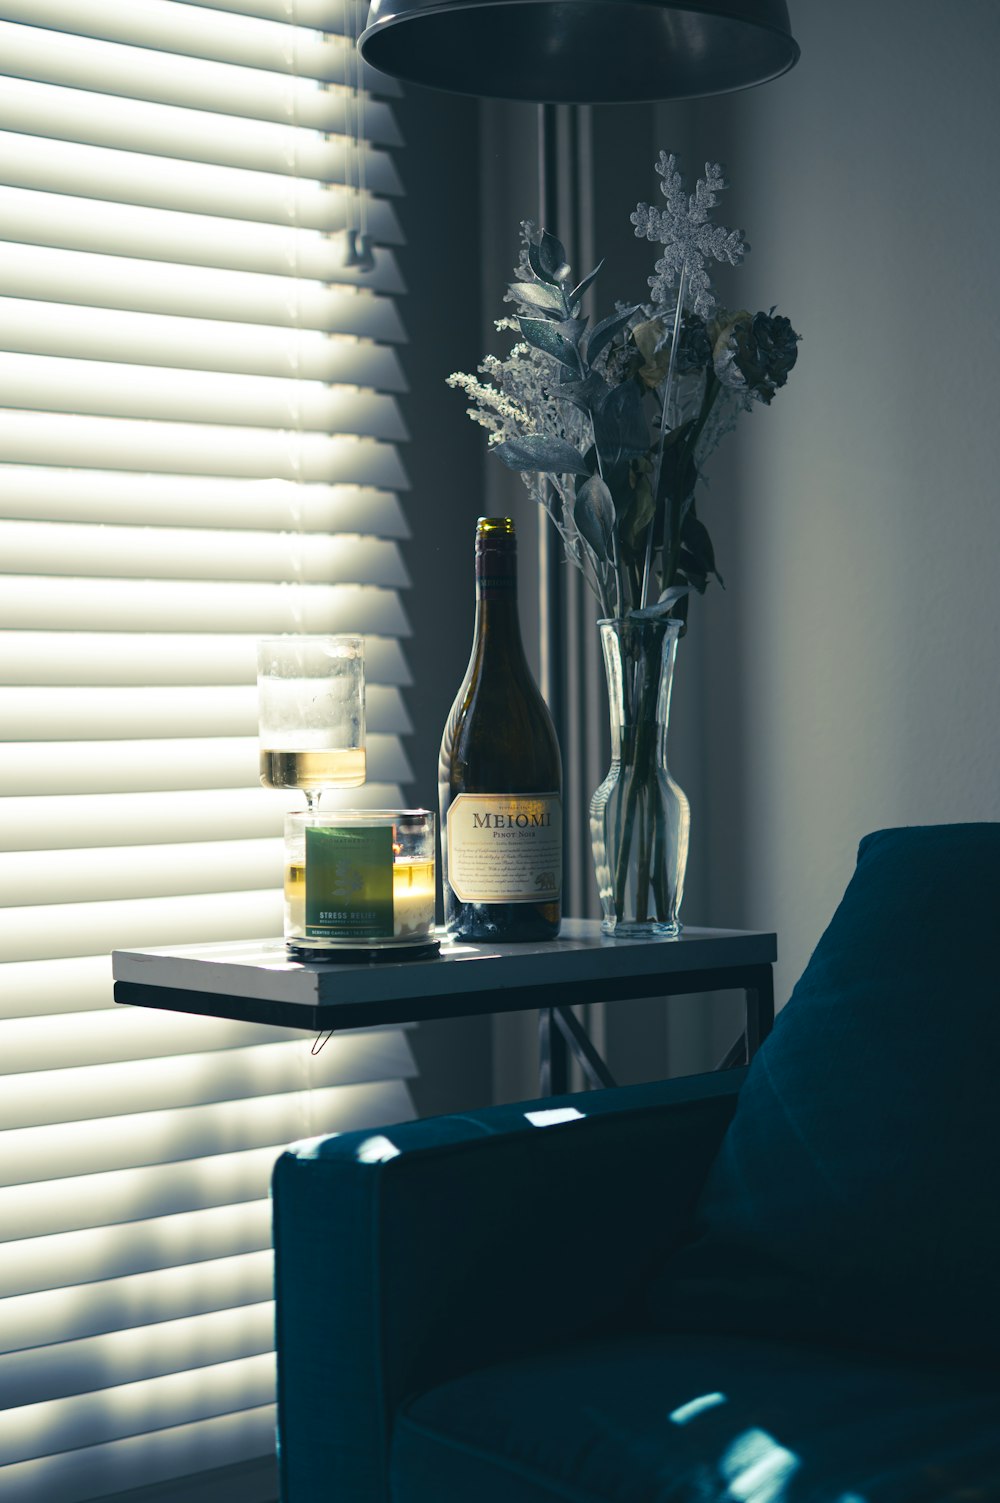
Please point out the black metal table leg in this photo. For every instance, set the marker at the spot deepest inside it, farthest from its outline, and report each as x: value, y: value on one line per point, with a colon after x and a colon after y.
x: 760, y: 1009
x: 735, y: 1055
x: 759, y: 998
x: 560, y: 1035
x: 583, y: 1051
x: 553, y: 1056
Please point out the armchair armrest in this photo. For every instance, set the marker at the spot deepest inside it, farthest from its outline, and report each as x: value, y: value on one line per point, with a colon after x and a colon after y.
x: 410, y: 1254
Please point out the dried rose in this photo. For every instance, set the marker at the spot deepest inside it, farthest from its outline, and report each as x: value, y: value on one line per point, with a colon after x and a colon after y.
x: 754, y: 353
x: 653, y: 340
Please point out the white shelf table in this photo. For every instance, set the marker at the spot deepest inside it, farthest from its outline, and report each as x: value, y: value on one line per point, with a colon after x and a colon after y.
x: 255, y: 981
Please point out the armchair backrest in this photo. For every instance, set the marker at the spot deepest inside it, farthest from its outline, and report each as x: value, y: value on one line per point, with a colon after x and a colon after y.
x: 856, y: 1196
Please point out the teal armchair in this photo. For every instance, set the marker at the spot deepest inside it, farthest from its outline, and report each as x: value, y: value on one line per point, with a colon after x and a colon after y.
x: 777, y: 1285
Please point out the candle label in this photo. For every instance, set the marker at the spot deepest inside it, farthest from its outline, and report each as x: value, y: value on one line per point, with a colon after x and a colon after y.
x: 505, y: 847
x: 349, y: 883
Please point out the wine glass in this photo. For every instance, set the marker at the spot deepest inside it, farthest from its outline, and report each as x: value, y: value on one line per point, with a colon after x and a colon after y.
x: 311, y: 703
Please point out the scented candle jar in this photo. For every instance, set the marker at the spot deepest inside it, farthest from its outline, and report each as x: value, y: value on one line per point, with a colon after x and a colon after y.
x: 359, y: 881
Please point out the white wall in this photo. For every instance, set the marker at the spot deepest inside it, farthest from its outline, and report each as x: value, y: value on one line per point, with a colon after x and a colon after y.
x: 846, y: 679
x: 850, y: 671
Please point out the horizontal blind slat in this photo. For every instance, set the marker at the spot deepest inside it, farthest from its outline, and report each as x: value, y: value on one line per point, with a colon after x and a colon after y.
x: 147, y: 286
x: 66, y: 548
x: 146, y: 659
x: 194, y: 605
x: 29, y: 768
x: 129, y: 1194
x: 198, y: 1072
x: 161, y: 27
x: 181, y: 448
x: 230, y: 710
x: 113, y: 496
x: 54, y: 822
x: 29, y: 1155
x: 72, y: 714
x: 323, y: 15
x: 101, y: 874
x: 107, y: 175
x: 122, y: 338
x: 181, y: 1345
x: 61, y: 823
x: 92, y: 928
x: 114, y: 1034
x: 34, y: 988
x: 81, y: 62
x: 224, y: 403
x: 29, y: 108
x: 143, y: 1460
x: 84, y: 1257
x: 168, y: 238
x: 136, y: 1300
x: 175, y: 1399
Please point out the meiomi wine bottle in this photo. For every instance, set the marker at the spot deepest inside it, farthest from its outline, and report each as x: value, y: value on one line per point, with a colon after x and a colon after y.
x: 500, y: 773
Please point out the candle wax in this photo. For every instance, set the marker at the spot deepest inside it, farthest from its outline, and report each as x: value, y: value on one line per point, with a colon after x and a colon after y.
x: 412, y: 897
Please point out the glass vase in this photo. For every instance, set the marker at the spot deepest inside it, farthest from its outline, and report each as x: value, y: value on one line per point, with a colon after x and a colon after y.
x: 639, y: 817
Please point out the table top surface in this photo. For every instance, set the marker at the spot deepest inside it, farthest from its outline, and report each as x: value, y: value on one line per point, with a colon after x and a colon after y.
x: 261, y: 970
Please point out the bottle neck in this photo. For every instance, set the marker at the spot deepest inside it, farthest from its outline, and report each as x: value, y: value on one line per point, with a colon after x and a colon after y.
x: 496, y: 598
x: 498, y: 630
x: 495, y: 579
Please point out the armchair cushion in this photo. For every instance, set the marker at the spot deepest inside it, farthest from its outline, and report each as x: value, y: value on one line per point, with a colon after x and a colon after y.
x: 692, y: 1418
x: 855, y: 1197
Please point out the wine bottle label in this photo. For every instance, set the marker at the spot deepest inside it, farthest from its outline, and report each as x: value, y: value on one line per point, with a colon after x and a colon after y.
x: 505, y: 847
x: 348, y: 883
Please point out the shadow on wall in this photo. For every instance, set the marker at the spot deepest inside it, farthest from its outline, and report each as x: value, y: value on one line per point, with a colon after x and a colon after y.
x: 441, y: 264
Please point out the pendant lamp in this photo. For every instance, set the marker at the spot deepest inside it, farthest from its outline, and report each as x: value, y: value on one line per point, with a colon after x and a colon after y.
x: 581, y: 51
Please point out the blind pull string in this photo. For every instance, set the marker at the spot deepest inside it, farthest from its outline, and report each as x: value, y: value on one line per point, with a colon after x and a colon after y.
x: 350, y: 228
x: 367, y: 258
x: 358, y: 251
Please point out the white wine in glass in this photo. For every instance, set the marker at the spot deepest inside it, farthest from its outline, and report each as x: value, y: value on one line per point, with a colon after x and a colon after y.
x: 311, y: 698
x: 313, y: 768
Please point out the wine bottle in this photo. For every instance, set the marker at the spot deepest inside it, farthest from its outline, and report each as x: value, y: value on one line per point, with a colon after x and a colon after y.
x: 499, y: 773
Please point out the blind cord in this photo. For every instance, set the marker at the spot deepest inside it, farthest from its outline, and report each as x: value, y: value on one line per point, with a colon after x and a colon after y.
x: 358, y: 252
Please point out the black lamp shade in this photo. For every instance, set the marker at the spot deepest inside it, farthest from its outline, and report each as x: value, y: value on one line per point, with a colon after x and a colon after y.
x: 580, y: 51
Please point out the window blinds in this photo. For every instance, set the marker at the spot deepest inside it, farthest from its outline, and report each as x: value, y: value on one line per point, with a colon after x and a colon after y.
x: 198, y: 421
